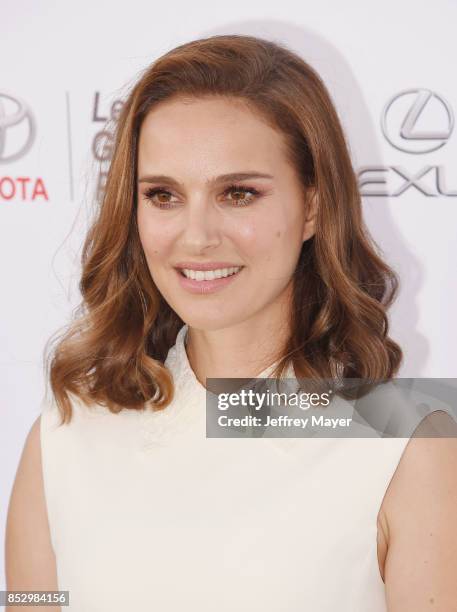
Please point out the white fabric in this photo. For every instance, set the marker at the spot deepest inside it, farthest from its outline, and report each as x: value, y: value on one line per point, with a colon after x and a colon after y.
x: 146, y: 513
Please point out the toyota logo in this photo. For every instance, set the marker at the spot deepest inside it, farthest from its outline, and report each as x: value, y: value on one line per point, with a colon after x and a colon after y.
x: 7, y: 123
x: 417, y: 121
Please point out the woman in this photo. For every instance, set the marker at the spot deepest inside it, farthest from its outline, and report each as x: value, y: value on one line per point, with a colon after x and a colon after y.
x: 229, y: 243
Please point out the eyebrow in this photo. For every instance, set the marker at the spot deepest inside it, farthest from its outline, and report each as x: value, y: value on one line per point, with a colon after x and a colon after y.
x: 233, y: 176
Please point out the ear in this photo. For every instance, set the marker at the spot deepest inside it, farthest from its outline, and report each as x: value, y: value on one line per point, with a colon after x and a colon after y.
x: 309, y: 227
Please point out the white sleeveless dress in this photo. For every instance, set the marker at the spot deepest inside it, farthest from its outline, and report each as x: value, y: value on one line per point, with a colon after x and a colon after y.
x: 146, y: 513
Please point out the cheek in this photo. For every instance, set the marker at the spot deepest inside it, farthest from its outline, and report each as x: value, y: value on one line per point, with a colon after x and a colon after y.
x: 267, y: 240
x: 259, y: 230
x: 154, y: 240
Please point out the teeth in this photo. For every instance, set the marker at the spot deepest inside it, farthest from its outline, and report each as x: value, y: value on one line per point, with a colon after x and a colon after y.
x: 201, y: 275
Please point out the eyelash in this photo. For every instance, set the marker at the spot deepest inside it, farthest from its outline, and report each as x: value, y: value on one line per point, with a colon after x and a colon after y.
x: 150, y: 193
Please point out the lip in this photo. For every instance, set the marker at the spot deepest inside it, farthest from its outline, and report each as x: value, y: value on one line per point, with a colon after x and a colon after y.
x: 206, y: 286
x: 209, y: 265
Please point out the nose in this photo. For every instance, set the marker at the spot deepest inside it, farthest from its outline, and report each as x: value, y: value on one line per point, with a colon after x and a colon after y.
x: 201, y: 225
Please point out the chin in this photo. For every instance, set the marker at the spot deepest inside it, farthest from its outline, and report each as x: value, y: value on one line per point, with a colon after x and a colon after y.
x: 211, y: 321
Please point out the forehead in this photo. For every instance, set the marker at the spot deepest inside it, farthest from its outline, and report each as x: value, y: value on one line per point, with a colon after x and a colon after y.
x: 212, y: 132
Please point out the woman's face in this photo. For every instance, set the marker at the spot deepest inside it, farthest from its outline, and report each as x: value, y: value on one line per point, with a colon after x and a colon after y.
x: 192, y: 214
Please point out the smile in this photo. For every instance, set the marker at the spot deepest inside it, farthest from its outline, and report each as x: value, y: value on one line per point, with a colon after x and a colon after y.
x: 207, y: 281
x: 206, y: 275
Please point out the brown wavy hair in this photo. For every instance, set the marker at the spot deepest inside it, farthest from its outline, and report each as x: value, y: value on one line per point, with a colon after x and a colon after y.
x: 113, y: 353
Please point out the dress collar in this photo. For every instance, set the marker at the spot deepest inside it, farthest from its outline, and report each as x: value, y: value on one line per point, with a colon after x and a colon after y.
x: 187, y: 410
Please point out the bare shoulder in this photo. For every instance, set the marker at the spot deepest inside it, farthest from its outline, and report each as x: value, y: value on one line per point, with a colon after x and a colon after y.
x: 29, y: 556
x: 417, y: 521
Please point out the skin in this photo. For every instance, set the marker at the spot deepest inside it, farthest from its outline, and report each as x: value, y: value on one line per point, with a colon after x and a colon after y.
x: 417, y: 522
x: 238, y: 330
x: 29, y: 557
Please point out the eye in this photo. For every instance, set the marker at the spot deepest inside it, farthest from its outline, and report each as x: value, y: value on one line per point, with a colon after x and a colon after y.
x: 152, y: 192
x: 238, y: 191
x: 155, y: 195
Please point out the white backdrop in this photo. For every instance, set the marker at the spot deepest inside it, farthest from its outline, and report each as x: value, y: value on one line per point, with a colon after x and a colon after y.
x: 64, y: 68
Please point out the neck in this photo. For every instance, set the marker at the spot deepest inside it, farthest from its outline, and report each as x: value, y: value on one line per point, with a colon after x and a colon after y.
x: 242, y: 350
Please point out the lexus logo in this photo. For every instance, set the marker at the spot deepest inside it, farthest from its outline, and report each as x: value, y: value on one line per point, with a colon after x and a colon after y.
x: 9, y: 122
x: 417, y: 121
